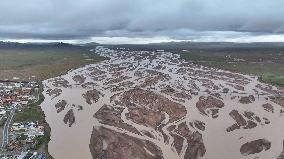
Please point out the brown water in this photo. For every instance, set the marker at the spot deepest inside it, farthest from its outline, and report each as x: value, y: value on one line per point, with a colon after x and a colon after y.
x: 73, y: 142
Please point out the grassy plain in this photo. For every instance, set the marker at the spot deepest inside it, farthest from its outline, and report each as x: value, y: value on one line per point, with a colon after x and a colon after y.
x: 39, y: 63
x: 267, y: 65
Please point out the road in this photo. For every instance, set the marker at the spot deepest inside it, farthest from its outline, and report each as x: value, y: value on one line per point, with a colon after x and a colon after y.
x: 6, y: 128
x: 8, y: 123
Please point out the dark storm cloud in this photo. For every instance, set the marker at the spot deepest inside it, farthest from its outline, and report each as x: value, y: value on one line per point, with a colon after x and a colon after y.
x: 182, y: 19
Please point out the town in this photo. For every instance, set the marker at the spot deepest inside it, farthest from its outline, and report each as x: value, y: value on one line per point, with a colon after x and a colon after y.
x: 21, y: 131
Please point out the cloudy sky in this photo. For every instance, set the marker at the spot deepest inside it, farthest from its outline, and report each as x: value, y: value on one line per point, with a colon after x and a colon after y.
x: 142, y: 21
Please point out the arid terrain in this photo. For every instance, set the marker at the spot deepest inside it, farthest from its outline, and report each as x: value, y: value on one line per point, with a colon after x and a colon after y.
x: 154, y: 105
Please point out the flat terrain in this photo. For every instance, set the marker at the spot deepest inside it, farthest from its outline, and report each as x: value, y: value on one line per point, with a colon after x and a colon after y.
x: 268, y: 65
x: 149, y: 104
x: 266, y: 60
x: 39, y: 63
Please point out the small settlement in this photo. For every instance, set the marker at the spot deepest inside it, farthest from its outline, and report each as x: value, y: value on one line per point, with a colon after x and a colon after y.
x: 19, y: 139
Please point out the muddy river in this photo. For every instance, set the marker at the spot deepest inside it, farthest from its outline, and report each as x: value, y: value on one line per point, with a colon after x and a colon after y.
x: 140, y: 104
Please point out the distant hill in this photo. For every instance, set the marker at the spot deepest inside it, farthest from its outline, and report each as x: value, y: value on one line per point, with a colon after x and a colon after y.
x: 31, y: 45
x: 223, y: 46
x: 90, y: 44
x: 170, y: 46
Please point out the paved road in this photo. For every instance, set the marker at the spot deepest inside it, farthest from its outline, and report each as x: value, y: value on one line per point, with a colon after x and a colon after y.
x: 6, y: 128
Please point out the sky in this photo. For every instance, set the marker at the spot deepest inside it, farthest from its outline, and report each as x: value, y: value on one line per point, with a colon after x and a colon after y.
x: 142, y: 21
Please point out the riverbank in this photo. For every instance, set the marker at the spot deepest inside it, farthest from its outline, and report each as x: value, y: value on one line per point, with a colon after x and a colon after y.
x: 34, y: 113
x: 268, y: 66
x: 44, y: 140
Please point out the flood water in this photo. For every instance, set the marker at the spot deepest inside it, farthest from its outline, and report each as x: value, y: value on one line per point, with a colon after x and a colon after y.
x: 73, y: 142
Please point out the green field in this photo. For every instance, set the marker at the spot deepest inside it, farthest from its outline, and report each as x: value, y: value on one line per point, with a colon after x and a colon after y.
x: 268, y: 66
x: 33, y: 112
x: 41, y: 63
